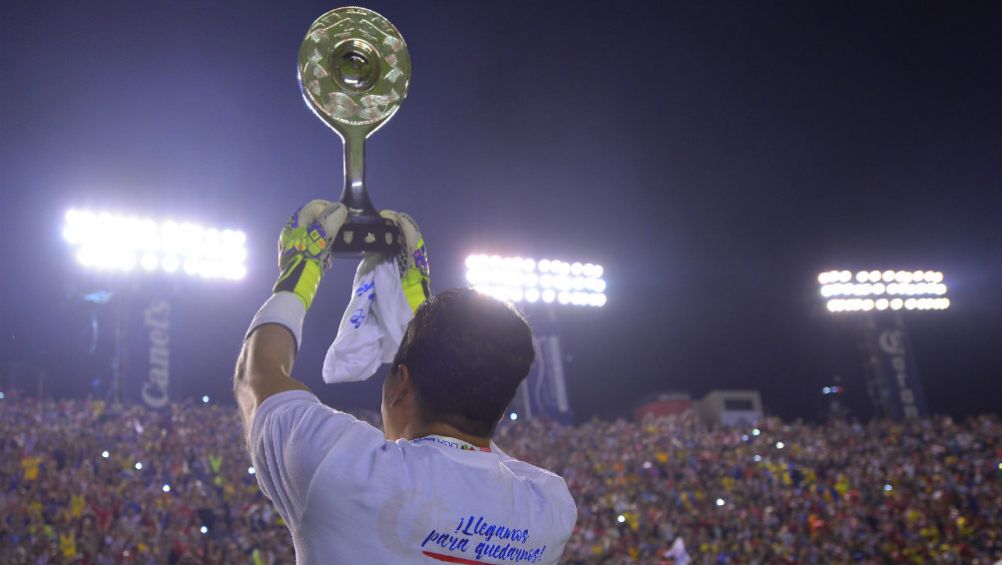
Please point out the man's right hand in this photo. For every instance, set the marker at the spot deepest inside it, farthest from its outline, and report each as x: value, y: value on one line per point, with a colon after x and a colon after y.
x: 304, y: 247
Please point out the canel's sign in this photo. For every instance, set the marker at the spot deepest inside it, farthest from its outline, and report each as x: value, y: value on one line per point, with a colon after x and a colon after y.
x: 156, y: 319
x: 892, y: 343
x: 902, y: 389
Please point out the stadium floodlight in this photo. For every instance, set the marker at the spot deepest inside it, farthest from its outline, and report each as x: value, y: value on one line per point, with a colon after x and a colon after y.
x: 520, y: 279
x: 113, y: 242
x: 880, y: 290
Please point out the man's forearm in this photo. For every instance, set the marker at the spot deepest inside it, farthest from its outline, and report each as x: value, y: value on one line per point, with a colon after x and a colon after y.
x: 264, y: 368
x: 268, y: 353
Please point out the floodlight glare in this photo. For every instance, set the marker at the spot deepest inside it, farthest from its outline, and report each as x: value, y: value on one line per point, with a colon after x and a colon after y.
x: 111, y: 242
x: 519, y: 279
x: 883, y: 290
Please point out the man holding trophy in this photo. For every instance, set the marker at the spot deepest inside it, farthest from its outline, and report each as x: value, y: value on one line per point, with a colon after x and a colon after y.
x: 431, y: 487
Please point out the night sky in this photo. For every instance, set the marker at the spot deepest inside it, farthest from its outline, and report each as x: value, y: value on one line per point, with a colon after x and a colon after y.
x: 714, y: 157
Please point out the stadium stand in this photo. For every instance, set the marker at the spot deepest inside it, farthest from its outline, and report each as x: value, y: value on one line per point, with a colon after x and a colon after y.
x: 83, y: 483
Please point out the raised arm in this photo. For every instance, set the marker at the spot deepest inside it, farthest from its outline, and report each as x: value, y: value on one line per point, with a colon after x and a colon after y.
x: 264, y: 367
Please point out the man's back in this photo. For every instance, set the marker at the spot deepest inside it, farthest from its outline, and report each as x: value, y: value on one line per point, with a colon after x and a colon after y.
x: 351, y: 497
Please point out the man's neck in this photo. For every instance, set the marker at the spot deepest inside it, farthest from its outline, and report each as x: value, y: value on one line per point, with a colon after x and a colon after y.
x: 419, y: 430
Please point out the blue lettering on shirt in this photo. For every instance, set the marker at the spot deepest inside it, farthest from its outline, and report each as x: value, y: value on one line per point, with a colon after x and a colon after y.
x: 365, y: 287
x: 357, y: 317
x: 470, y: 527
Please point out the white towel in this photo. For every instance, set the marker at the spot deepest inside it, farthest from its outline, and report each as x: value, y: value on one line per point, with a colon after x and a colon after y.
x: 373, y: 325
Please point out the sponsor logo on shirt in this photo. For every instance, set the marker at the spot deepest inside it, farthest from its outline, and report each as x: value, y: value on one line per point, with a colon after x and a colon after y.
x: 450, y: 442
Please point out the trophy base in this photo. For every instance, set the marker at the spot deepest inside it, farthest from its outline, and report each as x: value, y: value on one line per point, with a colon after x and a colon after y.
x: 367, y: 235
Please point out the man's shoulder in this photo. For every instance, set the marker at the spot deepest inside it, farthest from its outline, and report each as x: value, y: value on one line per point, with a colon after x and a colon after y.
x: 525, y: 468
x: 554, y: 485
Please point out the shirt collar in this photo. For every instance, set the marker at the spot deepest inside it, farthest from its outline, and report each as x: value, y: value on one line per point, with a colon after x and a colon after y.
x: 450, y: 442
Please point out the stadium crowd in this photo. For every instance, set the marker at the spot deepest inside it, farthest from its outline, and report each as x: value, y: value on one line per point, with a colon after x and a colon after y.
x: 925, y: 491
x: 85, y: 483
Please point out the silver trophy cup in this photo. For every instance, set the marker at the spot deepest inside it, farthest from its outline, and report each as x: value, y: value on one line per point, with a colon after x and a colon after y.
x: 354, y: 71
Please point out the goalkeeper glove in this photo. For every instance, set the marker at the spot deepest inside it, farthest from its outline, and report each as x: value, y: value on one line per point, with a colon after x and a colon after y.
x: 412, y: 260
x: 304, y: 248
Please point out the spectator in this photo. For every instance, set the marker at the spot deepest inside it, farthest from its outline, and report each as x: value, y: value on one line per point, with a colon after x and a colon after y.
x: 175, y: 486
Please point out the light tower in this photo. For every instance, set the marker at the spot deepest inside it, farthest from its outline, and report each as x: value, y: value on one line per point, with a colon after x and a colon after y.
x: 126, y: 253
x: 540, y: 287
x: 879, y: 297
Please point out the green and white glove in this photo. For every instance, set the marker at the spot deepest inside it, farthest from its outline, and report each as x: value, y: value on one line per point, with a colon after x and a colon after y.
x: 412, y: 260
x: 304, y: 247
x: 304, y: 253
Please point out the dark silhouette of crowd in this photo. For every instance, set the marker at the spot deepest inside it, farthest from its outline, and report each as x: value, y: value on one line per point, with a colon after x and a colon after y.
x: 85, y: 482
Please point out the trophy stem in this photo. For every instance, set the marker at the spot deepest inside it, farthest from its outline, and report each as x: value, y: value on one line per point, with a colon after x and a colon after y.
x: 354, y: 194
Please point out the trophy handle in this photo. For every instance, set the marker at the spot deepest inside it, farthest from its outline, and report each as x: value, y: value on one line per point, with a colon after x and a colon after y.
x: 365, y: 231
x: 354, y: 194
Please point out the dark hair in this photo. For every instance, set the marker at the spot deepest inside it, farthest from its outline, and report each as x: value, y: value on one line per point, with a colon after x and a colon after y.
x: 466, y: 354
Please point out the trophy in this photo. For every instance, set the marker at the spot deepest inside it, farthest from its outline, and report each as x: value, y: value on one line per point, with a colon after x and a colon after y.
x: 354, y: 71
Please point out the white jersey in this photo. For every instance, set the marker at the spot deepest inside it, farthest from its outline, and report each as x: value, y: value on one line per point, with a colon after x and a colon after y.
x: 349, y: 497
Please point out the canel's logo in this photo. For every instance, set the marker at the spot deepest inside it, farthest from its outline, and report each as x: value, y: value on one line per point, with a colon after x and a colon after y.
x: 892, y: 342
x: 156, y: 317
